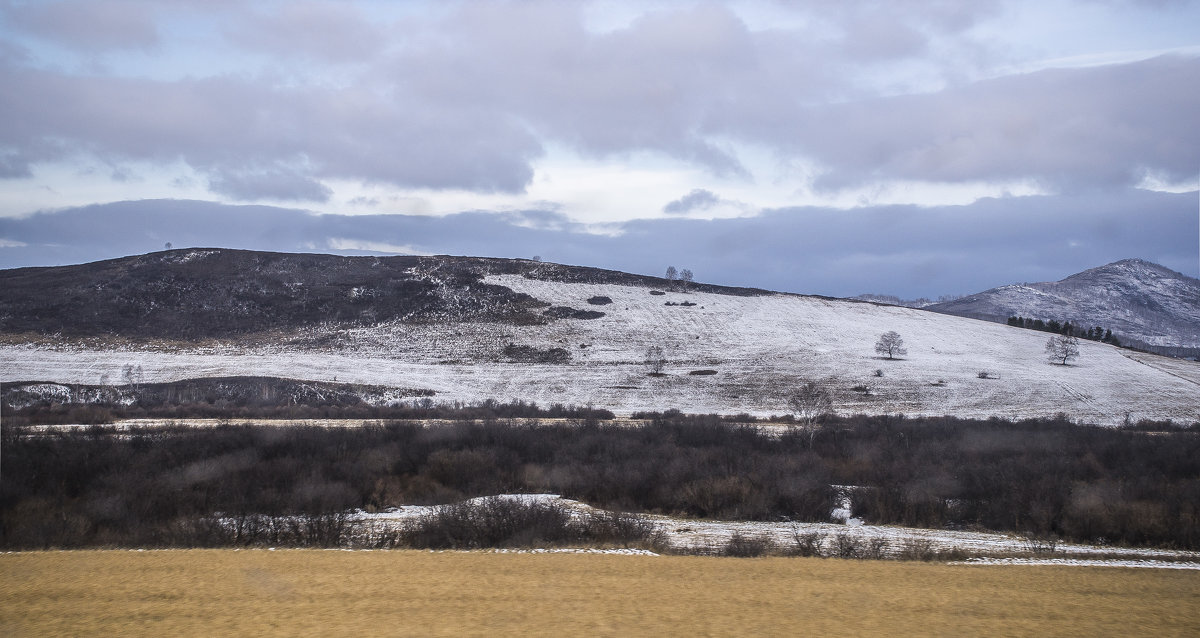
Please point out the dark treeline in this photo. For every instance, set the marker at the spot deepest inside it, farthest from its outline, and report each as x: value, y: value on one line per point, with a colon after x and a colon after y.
x: 1096, y: 333
x: 98, y: 487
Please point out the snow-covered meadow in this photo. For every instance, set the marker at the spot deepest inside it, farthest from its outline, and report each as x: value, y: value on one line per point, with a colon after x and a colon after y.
x: 758, y: 346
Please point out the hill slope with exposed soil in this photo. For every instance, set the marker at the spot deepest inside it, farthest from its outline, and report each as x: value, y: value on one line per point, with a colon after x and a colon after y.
x: 470, y: 329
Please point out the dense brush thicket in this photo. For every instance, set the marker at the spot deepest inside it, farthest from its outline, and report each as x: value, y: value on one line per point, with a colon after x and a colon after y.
x: 503, y: 522
x: 95, y: 487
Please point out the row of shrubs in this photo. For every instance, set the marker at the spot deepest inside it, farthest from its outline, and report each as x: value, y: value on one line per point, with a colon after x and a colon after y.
x: 48, y: 412
x: 840, y: 545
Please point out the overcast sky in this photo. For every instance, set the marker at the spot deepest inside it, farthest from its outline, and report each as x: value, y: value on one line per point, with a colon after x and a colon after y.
x: 907, y: 147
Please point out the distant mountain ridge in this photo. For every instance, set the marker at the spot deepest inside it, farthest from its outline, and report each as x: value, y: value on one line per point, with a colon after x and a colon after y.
x: 1145, y: 304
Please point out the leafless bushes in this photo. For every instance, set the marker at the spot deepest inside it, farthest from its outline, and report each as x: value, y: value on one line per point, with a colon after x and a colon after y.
x: 332, y: 529
x: 491, y: 522
x: 507, y: 522
x: 1041, y: 543
x: 806, y: 543
x: 817, y: 544
x: 747, y: 546
x: 844, y: 544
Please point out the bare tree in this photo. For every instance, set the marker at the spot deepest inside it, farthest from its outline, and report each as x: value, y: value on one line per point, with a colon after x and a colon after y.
x: 685, y: 278
x: 672, y: 274
x: 1061, y: 349
x: 890, y: 344
x: 810, y: 402
x: 655, y: 360
x: 132, y: 375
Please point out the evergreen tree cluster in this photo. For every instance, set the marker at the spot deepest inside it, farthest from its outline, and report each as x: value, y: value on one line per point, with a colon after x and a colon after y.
x: 1067, y: 328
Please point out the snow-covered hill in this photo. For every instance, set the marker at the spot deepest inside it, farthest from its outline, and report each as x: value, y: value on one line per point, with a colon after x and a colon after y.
x: 750, y: 352
x: 1141, y: 302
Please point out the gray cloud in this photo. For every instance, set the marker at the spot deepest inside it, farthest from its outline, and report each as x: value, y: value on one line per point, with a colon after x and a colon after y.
x: 267, y: 184
x: 468, y: 99
x: 239, y: 130
x: 317, y: 30
x: 698, y: 199
x: 675, y: 81
x: 1098, y: 126
x: 551, y: 220
x: 645, y: 87
x: 86, y: 25
x: 901, y: 250
x: 13, y: 165
x: 875, y: 35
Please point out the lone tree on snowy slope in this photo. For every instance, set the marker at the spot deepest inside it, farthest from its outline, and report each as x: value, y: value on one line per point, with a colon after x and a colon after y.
x: 1062, y: 348
x: 890, y: 344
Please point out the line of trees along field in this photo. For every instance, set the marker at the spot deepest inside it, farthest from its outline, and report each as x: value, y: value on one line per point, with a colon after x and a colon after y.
x: 95, y: 487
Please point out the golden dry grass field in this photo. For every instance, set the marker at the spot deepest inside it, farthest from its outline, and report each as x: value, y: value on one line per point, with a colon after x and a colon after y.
x: 406, y: 593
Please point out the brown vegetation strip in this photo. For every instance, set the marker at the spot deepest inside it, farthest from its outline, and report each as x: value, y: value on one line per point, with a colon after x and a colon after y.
x: 312, y: 592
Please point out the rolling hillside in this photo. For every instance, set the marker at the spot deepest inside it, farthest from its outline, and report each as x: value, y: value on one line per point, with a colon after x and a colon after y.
x: 580, y: 336
x: 1144, y: 304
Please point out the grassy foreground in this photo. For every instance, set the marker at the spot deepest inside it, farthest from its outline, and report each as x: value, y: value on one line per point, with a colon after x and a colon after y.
x: 311, y: 592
